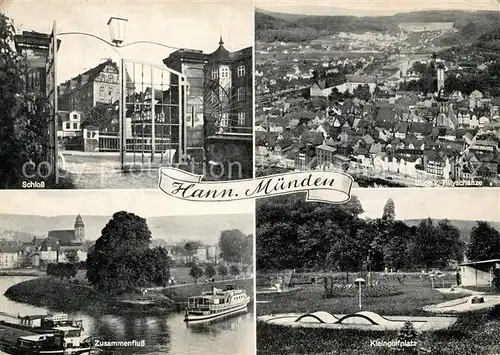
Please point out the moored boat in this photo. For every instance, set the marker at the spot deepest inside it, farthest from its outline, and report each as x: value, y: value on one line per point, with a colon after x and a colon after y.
x: 216, y: 304
x: 54, y: 335
x: 43, y: 323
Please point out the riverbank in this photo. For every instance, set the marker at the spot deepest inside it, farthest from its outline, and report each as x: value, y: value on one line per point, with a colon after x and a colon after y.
x: 34, y: 273
x: 63, y: 296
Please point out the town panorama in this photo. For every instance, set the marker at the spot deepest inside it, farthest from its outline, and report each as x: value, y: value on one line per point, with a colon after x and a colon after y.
x: 406, y: 100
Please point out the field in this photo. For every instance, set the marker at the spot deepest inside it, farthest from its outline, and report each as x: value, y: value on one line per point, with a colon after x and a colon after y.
x: 474, y: 333
x: 180, y: 274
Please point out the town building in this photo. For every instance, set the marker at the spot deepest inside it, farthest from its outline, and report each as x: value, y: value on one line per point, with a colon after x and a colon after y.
x: 478, y: 273
x: 9, y: 256
x: 98, y: 85
x: 220, y: 99
x: 59, y: 242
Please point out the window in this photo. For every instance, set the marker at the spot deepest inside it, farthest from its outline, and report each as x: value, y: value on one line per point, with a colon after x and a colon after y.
x: 241, y: 119
x: 111, y: 78
x: 101, y: 93
x: 224, y: 72
x: 215, y: 74
x: 224, y: 122
x: 241, y: 70
x: 68, y: 125
x: 241, y: 94
x: 75, y: 116
x: 75, y: 125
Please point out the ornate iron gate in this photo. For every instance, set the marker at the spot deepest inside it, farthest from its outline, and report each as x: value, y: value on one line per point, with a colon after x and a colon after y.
x: 152, y: 115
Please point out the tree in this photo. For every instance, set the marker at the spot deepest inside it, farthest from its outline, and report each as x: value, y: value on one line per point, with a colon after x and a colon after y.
x: 71, y: 256
x: 389, y: 210
x: 156, y: 267
x: 191, y: 246
x: 396, y: 250
x: 210, y: 271
x: 196, y: 272
x: 234, y: 270
x: 61, y: 270
x: 235, y: 246
x: 484, y: 242
x: 120, y: 257
x: 101, y: 116
x: 24, y: 119
x: 222, y: 271
x: 496, y: 279
x: 362, y: 92
x: 434, y: 245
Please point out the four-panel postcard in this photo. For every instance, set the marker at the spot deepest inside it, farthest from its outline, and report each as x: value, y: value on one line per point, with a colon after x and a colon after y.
x: 249, y: 177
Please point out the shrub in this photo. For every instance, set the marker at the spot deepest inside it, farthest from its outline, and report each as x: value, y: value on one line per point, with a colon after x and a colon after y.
x: 496, y: 280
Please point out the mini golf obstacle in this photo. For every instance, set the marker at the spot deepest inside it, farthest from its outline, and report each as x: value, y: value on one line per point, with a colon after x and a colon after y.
x: 281, y: 283
x: 466, y: 304
x: 361, y: 320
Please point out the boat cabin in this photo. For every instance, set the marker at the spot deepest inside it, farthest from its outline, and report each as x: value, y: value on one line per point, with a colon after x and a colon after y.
x: 32, y: 321
x: 60, y: 320
x: 49, y: 321
x: 38, y: 341
x: 70, y: 336
x: 216, y: 299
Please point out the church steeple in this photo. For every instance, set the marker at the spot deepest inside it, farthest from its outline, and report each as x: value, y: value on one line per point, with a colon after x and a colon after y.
x: 79, y: 229
x: 221, y: 42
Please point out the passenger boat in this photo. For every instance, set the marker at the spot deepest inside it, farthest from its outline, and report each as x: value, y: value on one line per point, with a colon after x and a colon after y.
x: 55, y: 336
x: 216, y: 304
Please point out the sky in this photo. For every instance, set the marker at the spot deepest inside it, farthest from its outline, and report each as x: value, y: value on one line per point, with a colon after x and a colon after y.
x: 146, y: 203
x: 192, y: 24
x: 375, y: 7
x: 439, y: 203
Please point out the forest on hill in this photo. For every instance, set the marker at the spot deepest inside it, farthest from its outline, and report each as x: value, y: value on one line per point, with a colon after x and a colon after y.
x: 270, y: 26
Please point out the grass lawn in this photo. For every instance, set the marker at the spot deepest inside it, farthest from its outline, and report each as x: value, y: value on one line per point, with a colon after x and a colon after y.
x: 182, y: 292
x: 416, y: 293
x: 181, y: 274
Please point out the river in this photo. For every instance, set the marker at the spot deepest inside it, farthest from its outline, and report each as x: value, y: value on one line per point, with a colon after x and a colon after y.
x: 161, y: 334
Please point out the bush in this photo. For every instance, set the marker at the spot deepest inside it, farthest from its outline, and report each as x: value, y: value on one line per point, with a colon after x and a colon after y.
x: 351, y: 290
x: 496, y: 280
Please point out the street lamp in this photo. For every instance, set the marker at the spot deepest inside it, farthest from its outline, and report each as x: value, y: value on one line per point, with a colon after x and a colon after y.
x: 117, y: 26
x: 432, y: 280
x: 360, y: 282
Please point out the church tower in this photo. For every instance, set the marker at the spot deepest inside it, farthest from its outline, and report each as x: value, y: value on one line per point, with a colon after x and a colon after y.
x: 440, y: 80
x: 79, y: 230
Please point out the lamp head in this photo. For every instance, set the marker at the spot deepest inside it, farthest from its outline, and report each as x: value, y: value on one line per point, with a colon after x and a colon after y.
x: 117, y: 27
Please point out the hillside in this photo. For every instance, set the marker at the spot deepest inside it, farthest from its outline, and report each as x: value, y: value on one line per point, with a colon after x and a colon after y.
x: 465, y: 227
x: 271, y: 26
x: 490, y: 40
x: 205, y: 228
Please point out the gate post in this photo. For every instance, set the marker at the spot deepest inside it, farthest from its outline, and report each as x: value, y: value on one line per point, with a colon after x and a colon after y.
x: 122, y: 114
x: 181, y: 123
x: 152, y: 117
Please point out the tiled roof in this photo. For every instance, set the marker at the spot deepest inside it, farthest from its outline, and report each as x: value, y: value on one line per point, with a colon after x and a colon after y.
x: 326, y: 147
x: 64, y: 237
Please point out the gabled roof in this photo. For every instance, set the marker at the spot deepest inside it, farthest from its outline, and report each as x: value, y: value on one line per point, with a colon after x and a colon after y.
x: 64, y: 237
x: 326, y: 147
